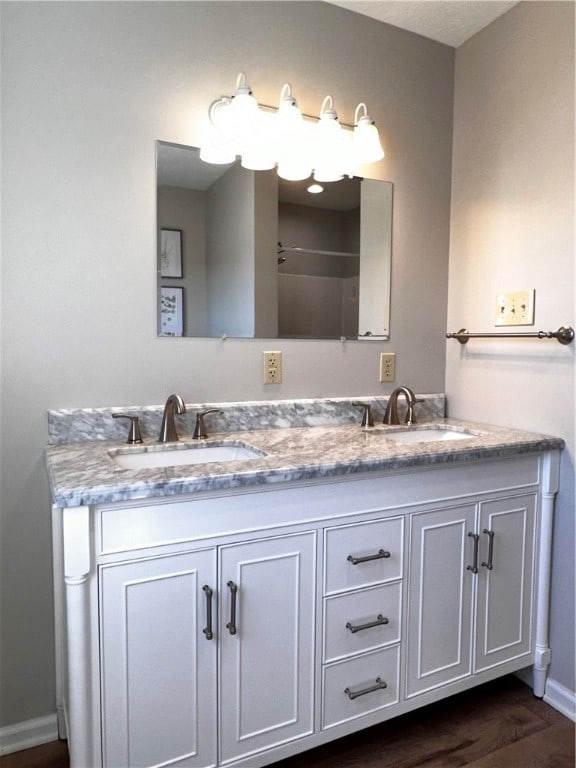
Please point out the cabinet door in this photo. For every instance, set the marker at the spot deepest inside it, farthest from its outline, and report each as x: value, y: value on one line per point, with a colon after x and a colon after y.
x: 505, y: 589
x: 158, y: 666
x: 440, y: 598
x: 266, y: 677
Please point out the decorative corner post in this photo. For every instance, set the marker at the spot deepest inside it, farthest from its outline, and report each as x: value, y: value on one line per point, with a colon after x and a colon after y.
x: 550, y: 481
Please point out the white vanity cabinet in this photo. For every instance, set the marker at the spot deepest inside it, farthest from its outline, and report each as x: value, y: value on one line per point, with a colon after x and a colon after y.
x: 363, y: 569
x: 267, y: 630
x: 158, y: 669
x: 239, y: 627
x: 176, y: 638
x: 470, y: 589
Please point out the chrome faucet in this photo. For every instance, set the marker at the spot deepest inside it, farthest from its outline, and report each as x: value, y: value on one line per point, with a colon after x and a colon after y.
x: 391, y: 414
x: 168, y: 433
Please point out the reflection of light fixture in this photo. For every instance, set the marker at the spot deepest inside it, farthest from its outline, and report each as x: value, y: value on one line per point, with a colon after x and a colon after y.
x: 315, y: 189
x: 265, y: 137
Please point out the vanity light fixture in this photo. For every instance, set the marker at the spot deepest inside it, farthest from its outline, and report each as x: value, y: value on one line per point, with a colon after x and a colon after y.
x: 315, y: 189
x: 366, y: 146
x: 330, y: 144
x: 297, y: 145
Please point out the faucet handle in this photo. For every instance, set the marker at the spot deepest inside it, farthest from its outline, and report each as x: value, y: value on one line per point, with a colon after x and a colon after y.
x: 134, y: 435
x: 200, y: 432
x: 410, y: 418
x: 367, y: 420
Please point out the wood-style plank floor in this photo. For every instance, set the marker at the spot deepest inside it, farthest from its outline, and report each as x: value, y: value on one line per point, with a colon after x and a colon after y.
x: 499, y: 725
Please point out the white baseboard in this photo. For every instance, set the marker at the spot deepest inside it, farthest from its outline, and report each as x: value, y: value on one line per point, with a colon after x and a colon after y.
x: 556, y: 694
x: 561, y: 698
x: 30, y: 733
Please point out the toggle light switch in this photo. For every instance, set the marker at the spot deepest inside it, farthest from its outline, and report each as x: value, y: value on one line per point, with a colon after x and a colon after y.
x: 515, y: 308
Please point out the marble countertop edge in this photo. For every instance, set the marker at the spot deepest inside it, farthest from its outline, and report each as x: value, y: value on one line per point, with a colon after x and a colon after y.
x: 83, y: 473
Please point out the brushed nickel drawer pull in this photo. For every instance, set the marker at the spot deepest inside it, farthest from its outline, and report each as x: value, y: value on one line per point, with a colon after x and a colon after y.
x: 380, y: 622
x: 490, y: 535
x: 379, y: 686
x: 382, y: 553
x: 208, y: 628
x: 474, y: 566
x: 231, y: 626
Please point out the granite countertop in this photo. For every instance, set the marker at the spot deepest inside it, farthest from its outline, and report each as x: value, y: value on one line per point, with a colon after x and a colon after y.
x: 83, y: 473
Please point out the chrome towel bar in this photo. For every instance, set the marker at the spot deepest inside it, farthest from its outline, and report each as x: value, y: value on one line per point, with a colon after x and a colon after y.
x: 565, y: 335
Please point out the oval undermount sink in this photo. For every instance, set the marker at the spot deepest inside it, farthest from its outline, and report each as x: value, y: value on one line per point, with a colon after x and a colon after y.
x: 175, y: 455
x: 428, y: 435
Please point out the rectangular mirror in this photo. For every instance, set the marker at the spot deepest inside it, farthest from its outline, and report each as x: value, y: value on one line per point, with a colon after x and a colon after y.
x: 246, y: 254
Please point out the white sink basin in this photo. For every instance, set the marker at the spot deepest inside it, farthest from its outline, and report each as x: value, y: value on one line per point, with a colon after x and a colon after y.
x: 175, y: 455
x: 427, y: 435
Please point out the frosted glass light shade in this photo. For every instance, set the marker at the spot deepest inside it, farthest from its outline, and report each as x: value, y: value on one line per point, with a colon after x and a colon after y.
x: 366, y: 146
x: 259, y: 147
x: 216, y: 155
x: 327, y: 174
x: 294, y: 170
x: 215, y: 147
x: 244, y: 106
x: 255, y: 160
x: 329, y: 149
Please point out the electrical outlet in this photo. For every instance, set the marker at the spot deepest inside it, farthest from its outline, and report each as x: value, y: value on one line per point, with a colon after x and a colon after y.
x: 387, y: 366
x: 515, y: 308
x: 272, y: 367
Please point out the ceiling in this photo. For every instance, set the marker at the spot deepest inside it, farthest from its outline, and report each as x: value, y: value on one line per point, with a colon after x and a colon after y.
x: 448, y: 21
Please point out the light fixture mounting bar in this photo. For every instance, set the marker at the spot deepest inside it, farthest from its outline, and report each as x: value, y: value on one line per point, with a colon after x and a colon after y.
x: 311, y: 118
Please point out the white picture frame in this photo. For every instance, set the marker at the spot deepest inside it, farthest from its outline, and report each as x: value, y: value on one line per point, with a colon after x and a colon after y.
x: 171, y: 253
x: 171, y: 311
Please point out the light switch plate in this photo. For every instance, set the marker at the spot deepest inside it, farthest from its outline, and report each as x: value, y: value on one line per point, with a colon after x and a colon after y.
x: 515, y: 308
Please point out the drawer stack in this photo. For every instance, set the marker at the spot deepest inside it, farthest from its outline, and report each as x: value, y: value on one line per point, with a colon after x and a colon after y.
x: 362, y: 616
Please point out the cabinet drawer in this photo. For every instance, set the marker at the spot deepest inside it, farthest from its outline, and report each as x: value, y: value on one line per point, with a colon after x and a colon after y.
x: 363, y: 554
x: 349, y: 620
x: 360, y: 679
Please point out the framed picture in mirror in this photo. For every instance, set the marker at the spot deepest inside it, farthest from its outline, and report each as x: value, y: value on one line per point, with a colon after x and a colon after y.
x: 171, y: 253
x: 171, y: 311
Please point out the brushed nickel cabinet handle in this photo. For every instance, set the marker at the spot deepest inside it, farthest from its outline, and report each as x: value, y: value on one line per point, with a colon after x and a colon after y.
x: 231, y: 626
x: 379, y: 685
x: 490, y: 535
x: 474, y: 566
x: 380, y: 622
x: 208, y: 628
x: 382, y: 553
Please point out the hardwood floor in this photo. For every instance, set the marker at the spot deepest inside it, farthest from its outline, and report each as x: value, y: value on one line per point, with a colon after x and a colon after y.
x: 499, y: 725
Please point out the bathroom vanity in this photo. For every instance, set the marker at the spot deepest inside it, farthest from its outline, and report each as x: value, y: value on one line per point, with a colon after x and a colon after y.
x: 236, y: 613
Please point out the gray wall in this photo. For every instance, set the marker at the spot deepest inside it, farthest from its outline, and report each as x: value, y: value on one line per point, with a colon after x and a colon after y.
x: 513, y: 228
x: 87, y: 88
